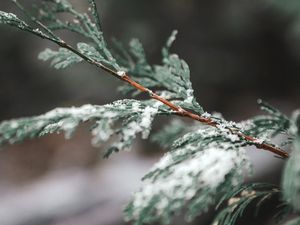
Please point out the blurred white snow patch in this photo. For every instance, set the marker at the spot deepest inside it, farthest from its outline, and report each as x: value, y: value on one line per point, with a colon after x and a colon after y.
x: 76, y: 196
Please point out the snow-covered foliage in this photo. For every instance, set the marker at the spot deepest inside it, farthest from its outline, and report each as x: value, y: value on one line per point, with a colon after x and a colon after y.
x: 239, y: 198
x: 266, y: 127
x: 136, y: 117
x: 204, y: 164
x: 291, y: 178
x: 12, y: 20
x: 197, y: 180
x: 61, y: 58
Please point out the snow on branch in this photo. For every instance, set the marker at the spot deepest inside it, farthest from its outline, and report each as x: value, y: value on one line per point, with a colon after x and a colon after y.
x: 137, y: 118
x: 193, y: 183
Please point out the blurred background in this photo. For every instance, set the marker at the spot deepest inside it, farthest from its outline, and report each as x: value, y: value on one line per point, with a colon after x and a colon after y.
x: 238, y: 51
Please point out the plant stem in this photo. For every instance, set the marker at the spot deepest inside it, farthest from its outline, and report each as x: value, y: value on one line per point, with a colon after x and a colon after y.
x: 121, y: 75
x: 180, y: 111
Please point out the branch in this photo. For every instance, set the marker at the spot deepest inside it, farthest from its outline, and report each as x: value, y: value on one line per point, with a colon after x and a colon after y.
x: 122, y: 75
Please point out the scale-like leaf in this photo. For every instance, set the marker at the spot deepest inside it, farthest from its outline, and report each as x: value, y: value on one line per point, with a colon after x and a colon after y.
x: 60, y: 59
x: 170, y: 133
x: 12, y: 20
x: 193, y: 183
x: 137, y: 118
x: 265, y: 127
x: 238, y: 199
x: 172, y: 78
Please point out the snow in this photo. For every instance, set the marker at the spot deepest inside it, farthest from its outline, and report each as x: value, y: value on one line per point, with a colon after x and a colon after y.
x: 7, y: 16
x: 190, y: 96
x: 227, y: 129
x: 147, y: 116
x: 144, y: 124
x: 136, y: 107
x: 206, y: 169
x: 100, y: 134
x: 121, y: 73
x: 206, y: 115
x: 216, y: 164
x: 165, y: 161
x: 85, y: 111
x: 14, y: 124
x: 294, y: 128
x: 110, y: 114
x: 76, y: 21
x: 38, y: 31
x: 172, y: 38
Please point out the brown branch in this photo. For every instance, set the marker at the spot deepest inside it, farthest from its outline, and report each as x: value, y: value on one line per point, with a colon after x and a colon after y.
x: 184, y: 113
x: 180, y: 111
x: 125, y: 77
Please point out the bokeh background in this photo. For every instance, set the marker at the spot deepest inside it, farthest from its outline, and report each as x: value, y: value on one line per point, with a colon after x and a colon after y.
x: 238, y: 51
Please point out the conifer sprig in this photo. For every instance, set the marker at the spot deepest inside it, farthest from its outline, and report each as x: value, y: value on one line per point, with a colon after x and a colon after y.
x: 122, y: 75
x: 205, y: 160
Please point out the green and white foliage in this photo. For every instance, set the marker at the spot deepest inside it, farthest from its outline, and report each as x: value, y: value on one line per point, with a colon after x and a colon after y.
x: 63, y: 58
x: 60, y: 59
x: 171, y: 79
x: 193, y: 183
x: 172, y: 131
x: 204, y: 164
x: 291, y: 178
x: 295, y: 123
x: 238, y: 199
x: 201, y: 166
x: 291, y: 173
x: 12, y: 20
x: 136, y: 117
x: 293, y: 222
x: 158, y: 199
x: 268, y: 126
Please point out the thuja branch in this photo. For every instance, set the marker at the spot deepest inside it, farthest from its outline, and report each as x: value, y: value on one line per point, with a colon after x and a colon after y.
x: 122, y: 75
x: 185, y: 113
x: 179, y: 110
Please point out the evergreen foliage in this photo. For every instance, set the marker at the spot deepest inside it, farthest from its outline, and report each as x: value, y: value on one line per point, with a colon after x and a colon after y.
x: 205, y: 163
x: 293, y: 222
x: 240, y: 198
x: 291, y: 179
x: 136, y: 117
